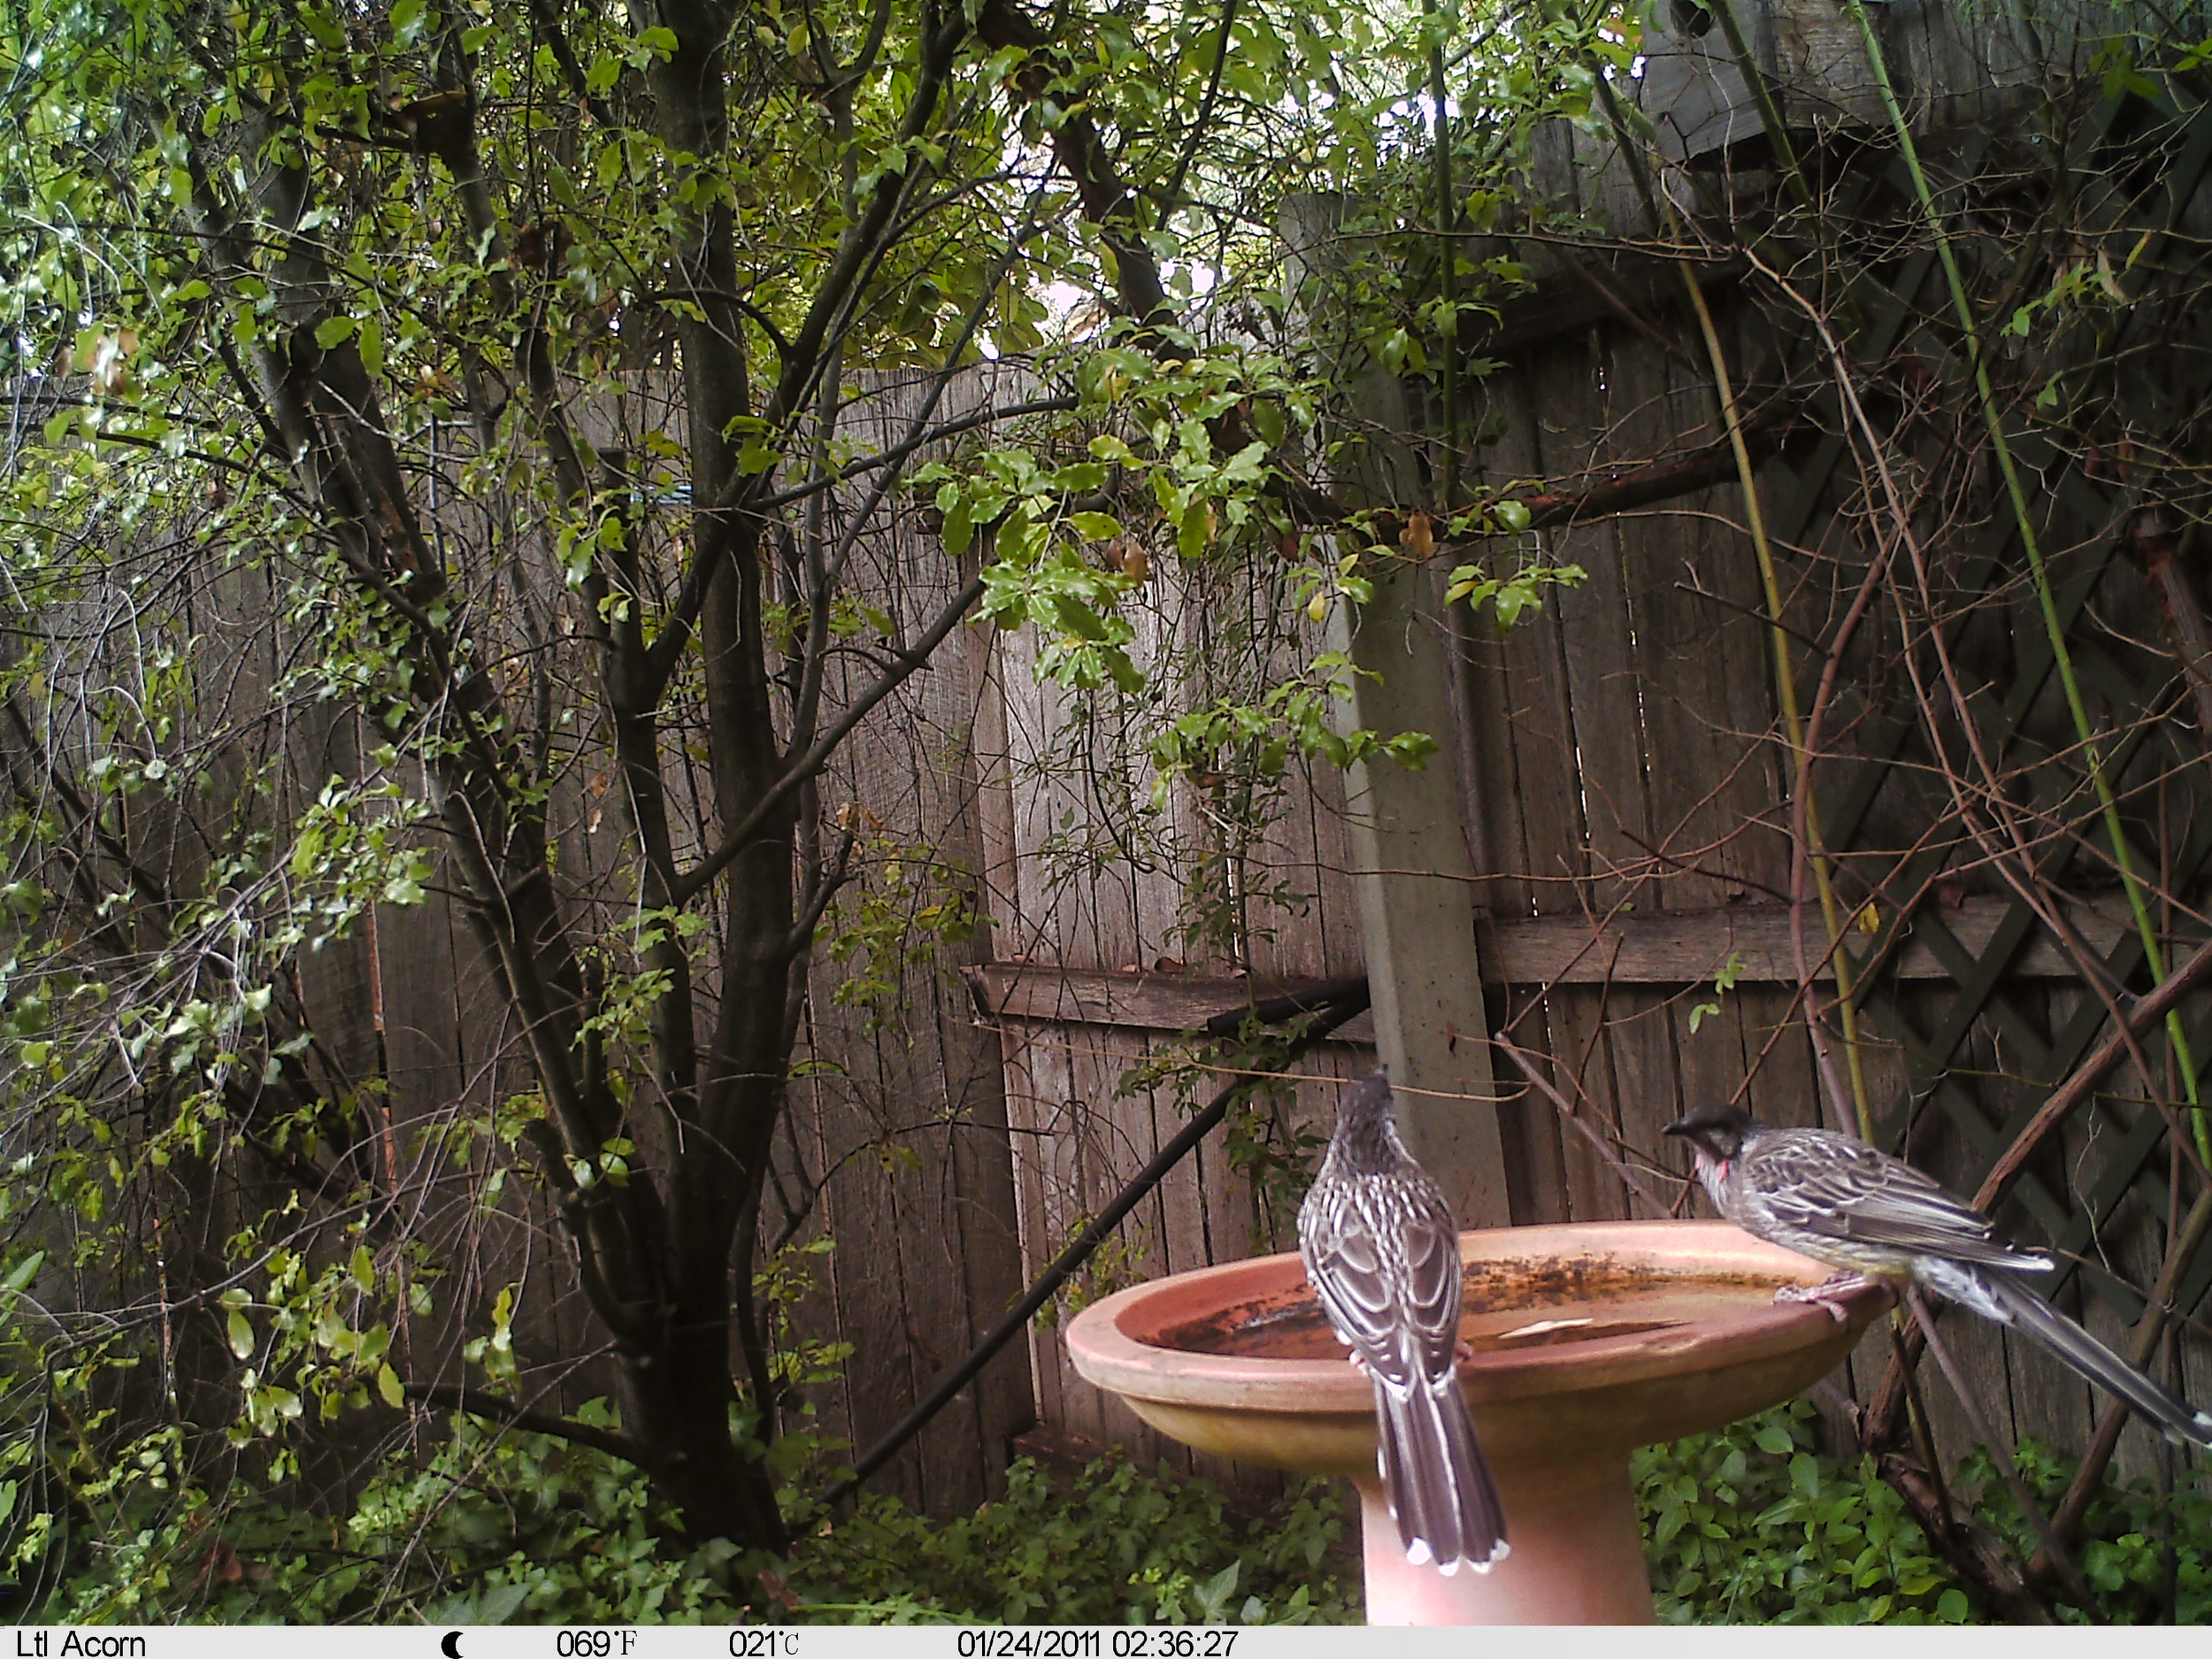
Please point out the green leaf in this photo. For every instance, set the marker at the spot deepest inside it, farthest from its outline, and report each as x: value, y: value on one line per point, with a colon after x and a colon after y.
x: 1094, y: 527
x: 1805, y: 1475
x: 318, y: 22
x: 240, y: 1331
x: 1079, y: 475
x: 493, y: 1606
x: 334, y: 332
x: 1400, y: 353
x: 1195, y: 530
x: 1248, y: 466
x: 497, y: 1606
x: 959, y: 528
x: 387, y: 1386
x: 23, y: 1272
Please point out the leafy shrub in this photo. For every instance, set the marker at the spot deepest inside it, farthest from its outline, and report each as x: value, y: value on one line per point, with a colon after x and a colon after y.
x: 520, y: 1528
x: 1752, y: 1525
x: 490, y: 1529
x: 1115, y: 1547
x: 2122, y: 1547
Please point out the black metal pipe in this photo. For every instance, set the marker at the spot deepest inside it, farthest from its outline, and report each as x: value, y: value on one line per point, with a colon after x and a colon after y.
x: 1279, y: 1008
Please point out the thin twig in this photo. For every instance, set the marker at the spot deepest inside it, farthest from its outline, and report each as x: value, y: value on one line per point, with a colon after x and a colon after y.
x: 2000, y: 1454
x: 1521, y: 1058
x: 497, y: 1408
x: 2148, y: 1331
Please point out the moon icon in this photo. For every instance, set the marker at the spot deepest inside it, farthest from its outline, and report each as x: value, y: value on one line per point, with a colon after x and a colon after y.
x: 449, y: 1644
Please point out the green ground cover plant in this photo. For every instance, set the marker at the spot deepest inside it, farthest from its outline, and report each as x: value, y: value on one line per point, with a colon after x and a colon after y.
x: 1117, y: 1546
x: 2142, y: 1548
x: 1751, y: 1525
x: 520, y: 1529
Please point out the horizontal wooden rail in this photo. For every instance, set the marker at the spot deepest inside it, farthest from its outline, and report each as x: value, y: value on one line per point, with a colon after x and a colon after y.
x: 1632, y: 949
x: 1657, y: 947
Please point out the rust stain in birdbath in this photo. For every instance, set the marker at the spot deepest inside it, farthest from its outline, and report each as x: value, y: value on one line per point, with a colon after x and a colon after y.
x: 1581, y: 1300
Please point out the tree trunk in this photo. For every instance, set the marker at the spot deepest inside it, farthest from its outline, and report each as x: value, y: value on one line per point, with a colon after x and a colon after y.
x: 677, y: 1403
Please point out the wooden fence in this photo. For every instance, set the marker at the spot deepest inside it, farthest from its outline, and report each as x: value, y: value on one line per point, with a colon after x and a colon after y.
x: 1623, y: 771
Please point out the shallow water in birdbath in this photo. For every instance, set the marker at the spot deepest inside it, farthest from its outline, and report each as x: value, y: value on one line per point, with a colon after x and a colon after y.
x: 1508, y: 1307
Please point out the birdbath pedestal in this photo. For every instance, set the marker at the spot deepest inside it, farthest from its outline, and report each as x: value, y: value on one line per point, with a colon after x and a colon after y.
x: 1589, y: 1340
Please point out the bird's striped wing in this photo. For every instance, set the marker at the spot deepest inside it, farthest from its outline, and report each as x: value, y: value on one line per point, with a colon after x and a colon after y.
x: 1833, y: 1186
x: 1384, y: 1258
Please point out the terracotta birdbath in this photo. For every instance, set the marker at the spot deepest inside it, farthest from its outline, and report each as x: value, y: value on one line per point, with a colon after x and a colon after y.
x: 1588, y: 1341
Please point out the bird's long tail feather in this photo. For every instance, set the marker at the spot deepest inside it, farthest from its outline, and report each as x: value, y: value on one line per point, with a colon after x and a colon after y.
x: 1440, y: 1490
x: 2173, y: 1416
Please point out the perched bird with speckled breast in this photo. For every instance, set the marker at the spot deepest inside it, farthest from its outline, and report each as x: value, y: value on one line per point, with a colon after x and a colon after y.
x: 1873, y: 1217
x: 1383, y: 1256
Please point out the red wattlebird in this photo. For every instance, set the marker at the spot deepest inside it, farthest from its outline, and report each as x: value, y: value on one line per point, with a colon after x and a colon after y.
x: 1383, y: 1254
x: 1841, y: 1203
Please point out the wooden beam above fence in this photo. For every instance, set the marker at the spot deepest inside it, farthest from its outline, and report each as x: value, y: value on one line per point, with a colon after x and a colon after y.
x: 1644, y: 949
x: 1577, y: 287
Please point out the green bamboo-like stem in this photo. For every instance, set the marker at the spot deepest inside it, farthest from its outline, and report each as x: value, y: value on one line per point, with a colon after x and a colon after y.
x: 1838, y: 958
x: 2045, y: 599
x: 1786, y: 684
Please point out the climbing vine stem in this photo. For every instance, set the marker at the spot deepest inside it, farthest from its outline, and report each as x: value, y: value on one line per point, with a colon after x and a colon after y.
x: 2045, y: 599
x: 1794, y: 726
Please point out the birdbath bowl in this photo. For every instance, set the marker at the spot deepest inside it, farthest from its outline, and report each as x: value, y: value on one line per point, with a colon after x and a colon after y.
x: 1589, y: 1340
